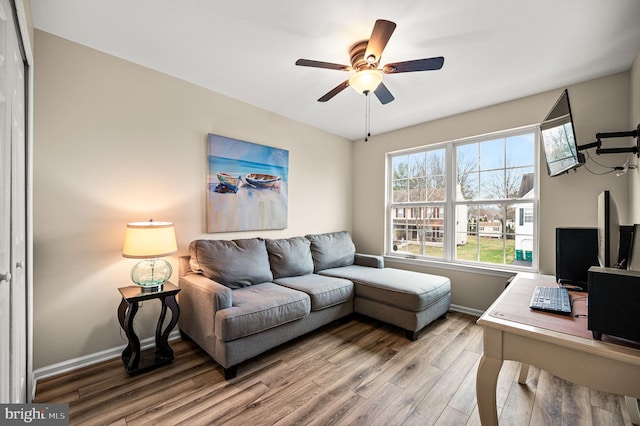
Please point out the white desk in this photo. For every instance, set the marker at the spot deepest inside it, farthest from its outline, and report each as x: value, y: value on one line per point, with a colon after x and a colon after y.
x: 560, y: 345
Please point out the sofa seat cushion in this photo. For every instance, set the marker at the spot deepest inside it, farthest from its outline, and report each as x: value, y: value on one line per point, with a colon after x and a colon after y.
x: 408, y: 290
x: 260, y: 307
x: 324, y: 291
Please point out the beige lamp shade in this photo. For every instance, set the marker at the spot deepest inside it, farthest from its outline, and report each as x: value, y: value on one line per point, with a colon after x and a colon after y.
x: 146, y: 240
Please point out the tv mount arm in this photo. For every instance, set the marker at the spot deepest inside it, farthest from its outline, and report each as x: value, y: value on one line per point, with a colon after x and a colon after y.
x: 598, y: 143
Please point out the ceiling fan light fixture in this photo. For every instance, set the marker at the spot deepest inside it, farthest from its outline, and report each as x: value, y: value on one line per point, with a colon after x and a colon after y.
x: 365, y: 80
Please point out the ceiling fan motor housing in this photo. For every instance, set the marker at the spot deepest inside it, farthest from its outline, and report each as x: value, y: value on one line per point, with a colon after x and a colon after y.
x: 358, y: 61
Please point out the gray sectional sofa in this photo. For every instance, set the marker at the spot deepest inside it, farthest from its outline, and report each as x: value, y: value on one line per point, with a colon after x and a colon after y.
x: 240, y: 298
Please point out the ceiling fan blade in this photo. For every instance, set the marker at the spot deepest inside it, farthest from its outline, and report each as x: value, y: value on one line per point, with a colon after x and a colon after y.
x: 383, y: 94
x: 380, y: 35
x: 339, y: 88
x: 429, y: 64
x: 320, y: 64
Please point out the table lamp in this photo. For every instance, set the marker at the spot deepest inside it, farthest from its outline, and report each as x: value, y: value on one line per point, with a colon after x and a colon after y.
x: 150, y: 241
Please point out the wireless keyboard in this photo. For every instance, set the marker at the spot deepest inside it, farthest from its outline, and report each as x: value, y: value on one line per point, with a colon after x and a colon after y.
x: 551, y: 299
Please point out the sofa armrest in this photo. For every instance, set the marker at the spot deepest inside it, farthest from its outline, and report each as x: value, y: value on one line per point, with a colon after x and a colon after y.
x: 370, y: 260
x: 199, y: 299
x: 184, y: 266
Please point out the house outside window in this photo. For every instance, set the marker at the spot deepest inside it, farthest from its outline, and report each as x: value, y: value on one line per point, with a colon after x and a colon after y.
x: 472, y: 201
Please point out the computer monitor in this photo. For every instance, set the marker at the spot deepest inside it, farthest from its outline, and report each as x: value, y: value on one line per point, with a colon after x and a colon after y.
x: 608, y: 231
x: 633, y: 259
x: 576, y: 252
x: 625, y: 245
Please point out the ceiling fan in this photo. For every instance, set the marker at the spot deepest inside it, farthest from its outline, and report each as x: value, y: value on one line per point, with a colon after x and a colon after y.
x: 365, y: 61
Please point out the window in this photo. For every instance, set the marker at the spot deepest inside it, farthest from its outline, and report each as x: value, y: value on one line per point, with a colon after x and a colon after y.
x: 469, y: 202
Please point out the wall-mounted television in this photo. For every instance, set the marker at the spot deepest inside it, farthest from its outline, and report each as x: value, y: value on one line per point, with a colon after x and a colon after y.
x: 559, y: 138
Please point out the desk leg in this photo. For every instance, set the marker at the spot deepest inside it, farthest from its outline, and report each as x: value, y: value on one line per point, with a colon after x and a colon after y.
x: 131, y: 354
x: 524, y: 372
x: 163, y: 350
x: 632, y: 407
x: 487, y: 378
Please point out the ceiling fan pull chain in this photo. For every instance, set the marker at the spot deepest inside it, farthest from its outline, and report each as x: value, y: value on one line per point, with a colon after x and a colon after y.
x: 367, y: 116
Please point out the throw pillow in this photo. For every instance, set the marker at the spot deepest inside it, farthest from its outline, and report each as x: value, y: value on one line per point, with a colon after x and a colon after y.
x: 235, y: 263
x: 332, y: 250
x: 290, y: 257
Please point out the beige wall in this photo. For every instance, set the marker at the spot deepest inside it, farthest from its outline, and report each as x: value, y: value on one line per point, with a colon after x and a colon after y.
x: 569, y: 200
x: 116, y: 142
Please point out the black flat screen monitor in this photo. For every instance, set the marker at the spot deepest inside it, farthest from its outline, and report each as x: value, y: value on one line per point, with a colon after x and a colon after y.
x: 576, y: 252
x: 608, y: 230
x: 559, y: 138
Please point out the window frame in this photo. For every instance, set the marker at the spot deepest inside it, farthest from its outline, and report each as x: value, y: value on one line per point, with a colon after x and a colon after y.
x: 449, y: 261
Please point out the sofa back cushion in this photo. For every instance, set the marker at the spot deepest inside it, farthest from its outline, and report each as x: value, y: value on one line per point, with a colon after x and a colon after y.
x: 332, y: 250
x: 235, y: 263
x: 290, y: 257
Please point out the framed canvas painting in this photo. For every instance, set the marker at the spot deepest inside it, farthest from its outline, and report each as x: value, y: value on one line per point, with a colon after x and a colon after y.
x: 246, y: 186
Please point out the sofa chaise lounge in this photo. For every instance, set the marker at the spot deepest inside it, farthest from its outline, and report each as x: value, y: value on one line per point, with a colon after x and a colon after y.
x: 240, y: 298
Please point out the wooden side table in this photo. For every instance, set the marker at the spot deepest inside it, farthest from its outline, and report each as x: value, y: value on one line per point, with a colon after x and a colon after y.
x: 134, y: 360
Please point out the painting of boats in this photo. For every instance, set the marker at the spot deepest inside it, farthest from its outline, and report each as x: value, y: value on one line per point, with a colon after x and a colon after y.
x: 259, y: 180
x: 247, y: 186
x: 228, y: 183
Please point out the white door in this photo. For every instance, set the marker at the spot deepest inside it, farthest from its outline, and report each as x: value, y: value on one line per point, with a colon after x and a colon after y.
x: 5, y: 213
x: 13, y: 295
x: 18, y: 322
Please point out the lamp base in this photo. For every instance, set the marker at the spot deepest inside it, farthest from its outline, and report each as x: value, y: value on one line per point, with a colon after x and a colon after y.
x: 150, y: 289
x: 150, y: 274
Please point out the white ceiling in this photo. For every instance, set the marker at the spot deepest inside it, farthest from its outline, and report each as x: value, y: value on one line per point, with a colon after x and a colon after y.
x: 495, y: 50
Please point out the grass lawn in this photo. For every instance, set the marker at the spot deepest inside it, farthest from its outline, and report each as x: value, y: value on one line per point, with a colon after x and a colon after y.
x: 491, y: 250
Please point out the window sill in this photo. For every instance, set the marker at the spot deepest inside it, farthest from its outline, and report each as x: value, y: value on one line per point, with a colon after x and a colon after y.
x: 494, y: 271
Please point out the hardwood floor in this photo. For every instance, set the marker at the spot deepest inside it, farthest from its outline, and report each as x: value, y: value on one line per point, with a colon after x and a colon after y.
x: 357, y: 372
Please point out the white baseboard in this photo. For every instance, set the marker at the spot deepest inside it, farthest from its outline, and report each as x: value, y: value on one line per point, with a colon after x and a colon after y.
x: 465, y: 310
x: 87, y: 360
